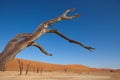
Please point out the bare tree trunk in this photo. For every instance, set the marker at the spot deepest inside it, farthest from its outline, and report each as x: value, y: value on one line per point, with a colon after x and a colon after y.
x: 65, y: 68
x: 22, y: 40
x: 27, y: 69
x: 41, y: 71
x: 2, y: 67
x: 20, y: 63
x: 37, y: 69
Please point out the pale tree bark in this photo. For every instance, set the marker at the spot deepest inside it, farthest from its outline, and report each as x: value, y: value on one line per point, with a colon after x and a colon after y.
x: 27, y: 68
x: 22, y: 40
x: 20, y: 63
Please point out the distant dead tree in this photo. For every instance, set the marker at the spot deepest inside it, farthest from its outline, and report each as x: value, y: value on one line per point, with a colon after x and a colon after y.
x: 111, y: 70
x: 4, y: 68
x: 38, y: 70
x: 33, y: 68
x: 20, y: 63
x: 22, y: 40
x: 27, y: 68
x: 41, y: 70
x: 65, y: 68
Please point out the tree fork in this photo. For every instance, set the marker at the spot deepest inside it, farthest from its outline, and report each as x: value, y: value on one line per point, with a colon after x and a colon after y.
x: 21, y: 41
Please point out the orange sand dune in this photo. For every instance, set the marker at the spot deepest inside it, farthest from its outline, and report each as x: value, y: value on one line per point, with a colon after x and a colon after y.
x: 13, y: 66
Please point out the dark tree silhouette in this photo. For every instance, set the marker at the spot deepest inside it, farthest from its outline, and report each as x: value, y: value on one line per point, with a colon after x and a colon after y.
x: 22, y: 40
x: 37, y: 70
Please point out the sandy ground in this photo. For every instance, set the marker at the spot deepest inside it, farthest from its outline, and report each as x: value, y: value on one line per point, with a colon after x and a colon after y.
x: 14, y: 75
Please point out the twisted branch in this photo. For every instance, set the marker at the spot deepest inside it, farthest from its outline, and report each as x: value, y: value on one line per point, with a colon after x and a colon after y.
x: 40, y: 48
x: 70, y: 40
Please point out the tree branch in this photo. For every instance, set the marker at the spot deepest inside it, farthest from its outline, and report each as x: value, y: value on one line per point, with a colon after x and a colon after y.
x: 62, y: 17
x: 70, y: 40
x: 14, y: 41
x: 40, y: 48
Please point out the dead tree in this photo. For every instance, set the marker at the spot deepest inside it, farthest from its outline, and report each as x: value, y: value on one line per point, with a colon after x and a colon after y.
x: 27, y: 68
x: 33, y: 69
x: 37, y: 70
x: 22, y: 40
x: 65, y: 69
x: 4, y: 68
x: 20, y: 63
x: 41, y: 70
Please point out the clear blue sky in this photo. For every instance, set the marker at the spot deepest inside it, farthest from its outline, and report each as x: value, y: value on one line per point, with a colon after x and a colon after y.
x: 98, y: 26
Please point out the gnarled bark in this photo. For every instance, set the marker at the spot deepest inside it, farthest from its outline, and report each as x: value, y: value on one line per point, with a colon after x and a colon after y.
x: 21, y: 41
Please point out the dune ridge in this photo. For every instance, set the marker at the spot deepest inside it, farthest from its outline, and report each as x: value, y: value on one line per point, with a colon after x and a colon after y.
x: 13, y: 66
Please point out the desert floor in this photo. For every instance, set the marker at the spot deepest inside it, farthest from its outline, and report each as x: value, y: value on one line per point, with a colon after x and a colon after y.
x: 91, y: 75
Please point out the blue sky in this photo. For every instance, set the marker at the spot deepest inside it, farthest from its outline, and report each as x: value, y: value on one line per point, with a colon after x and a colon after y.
x: 98, y: 26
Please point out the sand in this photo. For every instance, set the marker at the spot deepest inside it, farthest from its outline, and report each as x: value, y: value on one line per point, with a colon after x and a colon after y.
x: 85, y: 75
x: 57, y: 72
